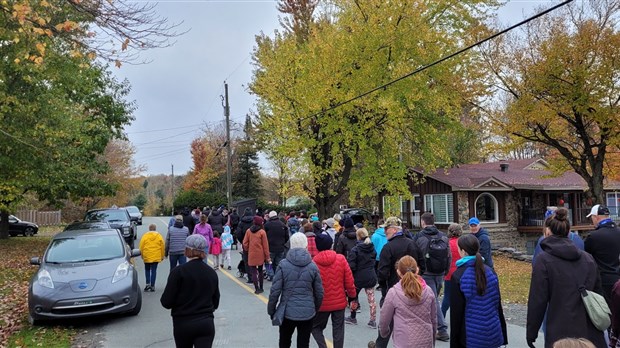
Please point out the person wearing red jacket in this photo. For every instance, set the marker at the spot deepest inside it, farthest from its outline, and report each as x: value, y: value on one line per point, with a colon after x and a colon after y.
x: 338, y: 284
x: 454, y: 232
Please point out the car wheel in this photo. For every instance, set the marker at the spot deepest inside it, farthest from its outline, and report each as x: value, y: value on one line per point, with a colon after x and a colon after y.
x: 29, y: 232
x: 135, y: 310
x: 33, y: 321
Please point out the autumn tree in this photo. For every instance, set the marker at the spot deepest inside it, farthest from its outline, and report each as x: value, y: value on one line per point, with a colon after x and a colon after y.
x: 246, y: 175
x: 209, y: 161
x: 367, y: 145
x: 560, y: 76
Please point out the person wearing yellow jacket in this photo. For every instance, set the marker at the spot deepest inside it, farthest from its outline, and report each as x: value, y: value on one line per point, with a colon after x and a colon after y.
x: 152, y: 250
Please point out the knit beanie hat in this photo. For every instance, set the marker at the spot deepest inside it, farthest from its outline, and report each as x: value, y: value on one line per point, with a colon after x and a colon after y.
x: 299, y: 241
x: 323, y: 241
x: 258, y: 221
x: 348, y: 222
x: 330, y: 222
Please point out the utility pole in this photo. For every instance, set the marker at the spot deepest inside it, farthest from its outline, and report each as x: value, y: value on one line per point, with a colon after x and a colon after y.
x: 172, y: 190
x: 228, y: 148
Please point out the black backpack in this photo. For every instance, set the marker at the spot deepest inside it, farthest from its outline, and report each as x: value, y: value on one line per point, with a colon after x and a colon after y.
x: 436, y: 254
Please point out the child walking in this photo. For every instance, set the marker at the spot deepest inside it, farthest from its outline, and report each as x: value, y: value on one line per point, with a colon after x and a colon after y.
x: 227, y: 243
x: 152, y: 251
x: 409, y: 311
x: 216, y: 249
x: 362, y: 262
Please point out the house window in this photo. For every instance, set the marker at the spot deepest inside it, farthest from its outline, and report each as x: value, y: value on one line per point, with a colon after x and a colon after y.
x: 441, y: 206
x: 613, y: 202
x: 486, y: 208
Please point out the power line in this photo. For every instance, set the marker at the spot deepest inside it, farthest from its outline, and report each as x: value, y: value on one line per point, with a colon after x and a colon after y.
x: 422, y: 68
x: 166, y: 129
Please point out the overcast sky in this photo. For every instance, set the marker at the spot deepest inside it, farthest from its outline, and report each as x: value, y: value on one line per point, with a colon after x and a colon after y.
x: 180, y: 89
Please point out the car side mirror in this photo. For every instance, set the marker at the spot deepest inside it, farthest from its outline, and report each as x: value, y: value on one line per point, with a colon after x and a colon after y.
x: 135, y: 252
x: 35, y: 261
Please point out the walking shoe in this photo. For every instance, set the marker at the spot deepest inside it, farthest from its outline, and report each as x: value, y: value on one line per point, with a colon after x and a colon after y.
x: 249, y: 281
x: 259, y: 291
x: 152, y: 288
x: 358, y: 310
x: 349, y: 320
x: 228, y: 268
x: 147, y: 288
x: 372, y: 344
x: 442, y: 336
x: 222, y: 265
x: 372, y: 324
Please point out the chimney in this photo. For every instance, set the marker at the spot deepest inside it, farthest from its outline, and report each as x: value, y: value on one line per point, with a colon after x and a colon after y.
x: 503, y: 167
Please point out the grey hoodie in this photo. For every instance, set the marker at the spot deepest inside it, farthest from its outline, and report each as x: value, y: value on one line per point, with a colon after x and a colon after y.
x: 296, y: 290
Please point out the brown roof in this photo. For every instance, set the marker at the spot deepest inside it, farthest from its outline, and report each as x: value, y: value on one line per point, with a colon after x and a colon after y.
x: 529, y: 174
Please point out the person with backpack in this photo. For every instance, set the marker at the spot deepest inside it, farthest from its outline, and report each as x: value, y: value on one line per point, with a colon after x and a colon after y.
x: 348, y: 238
x: 362, y: 263
x: 435, y: 247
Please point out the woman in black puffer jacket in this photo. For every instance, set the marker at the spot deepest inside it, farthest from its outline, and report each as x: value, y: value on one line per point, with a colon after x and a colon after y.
x: 362, y: 262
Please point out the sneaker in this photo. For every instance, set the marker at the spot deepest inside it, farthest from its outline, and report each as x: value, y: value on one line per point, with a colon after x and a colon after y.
x: 349, y: 320
x: 358, y: 310
x: 443, y: 336
x: 228, y: 268
x: 222, y: 265
x: 152, y: 288
x: 372, y: 324
x: 259, y: 291
x: 216, y: 268
x: 372, y: 344
x: 147, y: 288
x: 249, y: 281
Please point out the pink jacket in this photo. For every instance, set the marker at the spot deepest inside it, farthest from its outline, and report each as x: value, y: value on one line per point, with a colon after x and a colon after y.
x: 205, y: 231
x: 415, y: 323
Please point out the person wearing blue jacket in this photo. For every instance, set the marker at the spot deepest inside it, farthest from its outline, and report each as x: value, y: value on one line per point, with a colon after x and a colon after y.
x: 483, y: 239
x: 379, y: 239
x: 296, y: 294
x: 476, y: 315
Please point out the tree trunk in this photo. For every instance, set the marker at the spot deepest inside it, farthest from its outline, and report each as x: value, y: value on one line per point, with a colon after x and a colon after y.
x: 4, y: 224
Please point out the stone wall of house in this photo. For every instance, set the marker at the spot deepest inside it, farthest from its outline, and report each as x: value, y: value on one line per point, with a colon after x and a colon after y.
x: 512, y: 207
x: 463, y: 204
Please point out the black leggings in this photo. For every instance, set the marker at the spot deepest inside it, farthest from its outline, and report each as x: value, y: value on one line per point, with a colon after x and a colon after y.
x: 257, y: 276
x: 197, y: 332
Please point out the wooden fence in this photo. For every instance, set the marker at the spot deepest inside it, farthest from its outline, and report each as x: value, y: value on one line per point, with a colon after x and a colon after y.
x: 41, y: 218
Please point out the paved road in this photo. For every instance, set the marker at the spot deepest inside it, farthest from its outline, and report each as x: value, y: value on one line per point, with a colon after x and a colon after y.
x: 241, y: 321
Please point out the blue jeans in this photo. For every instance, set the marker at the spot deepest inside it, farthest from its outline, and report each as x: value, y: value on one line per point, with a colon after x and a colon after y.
x: 445, y: 304
x: 150, y: 271
x: 176, y: 260
x: 436, y: 283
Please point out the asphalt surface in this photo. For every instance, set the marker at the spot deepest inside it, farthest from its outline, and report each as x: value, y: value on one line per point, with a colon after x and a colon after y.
x: 241, y: 320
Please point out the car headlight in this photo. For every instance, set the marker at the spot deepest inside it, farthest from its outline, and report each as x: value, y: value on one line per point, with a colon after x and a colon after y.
x: 45, y: 279
x: 121, y: 272
x: 126, y: 230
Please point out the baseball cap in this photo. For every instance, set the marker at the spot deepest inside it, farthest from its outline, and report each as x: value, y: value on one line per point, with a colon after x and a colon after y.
x: 393, y: 221
x: 598, y: 209
x: 474, y: 221
x: 273, y: 214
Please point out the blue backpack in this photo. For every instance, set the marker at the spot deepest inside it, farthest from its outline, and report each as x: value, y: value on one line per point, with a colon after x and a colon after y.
x: 293, y: 225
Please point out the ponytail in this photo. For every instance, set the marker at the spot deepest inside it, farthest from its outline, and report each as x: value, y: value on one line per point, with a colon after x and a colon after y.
x: 481, y: 276
x: 411, y: 286
x: 410, y: 280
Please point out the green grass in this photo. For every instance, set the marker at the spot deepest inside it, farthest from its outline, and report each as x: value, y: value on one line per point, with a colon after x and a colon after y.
x: 30, y: 336
x: 15, y: 273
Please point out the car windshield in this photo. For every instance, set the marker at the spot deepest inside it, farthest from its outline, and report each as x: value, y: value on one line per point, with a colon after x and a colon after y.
x: 134, y: 210
x: 84, y: 248
x: 87, y: 226
x: 107, y: 215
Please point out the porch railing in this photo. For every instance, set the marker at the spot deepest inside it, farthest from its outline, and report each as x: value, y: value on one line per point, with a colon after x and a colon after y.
x: 536, y: 217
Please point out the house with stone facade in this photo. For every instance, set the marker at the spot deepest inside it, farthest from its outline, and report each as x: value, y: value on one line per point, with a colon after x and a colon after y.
x: 509, y: 197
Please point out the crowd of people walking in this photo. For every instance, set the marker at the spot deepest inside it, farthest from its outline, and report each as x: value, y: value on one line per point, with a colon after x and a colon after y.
x: 319, y: 268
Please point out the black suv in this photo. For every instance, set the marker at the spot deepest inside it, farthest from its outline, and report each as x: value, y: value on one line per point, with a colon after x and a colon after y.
x: 135, y: 214
x: 358, y: 215
x: 117, y: 218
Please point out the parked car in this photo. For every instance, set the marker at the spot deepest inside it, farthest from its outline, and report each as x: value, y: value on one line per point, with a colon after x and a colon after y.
x: 17, y: 227
x: 88, y: 225
x: 117, y: 218
x: 135, y: 214
x: 84, y: 273
x: 358, y: 215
